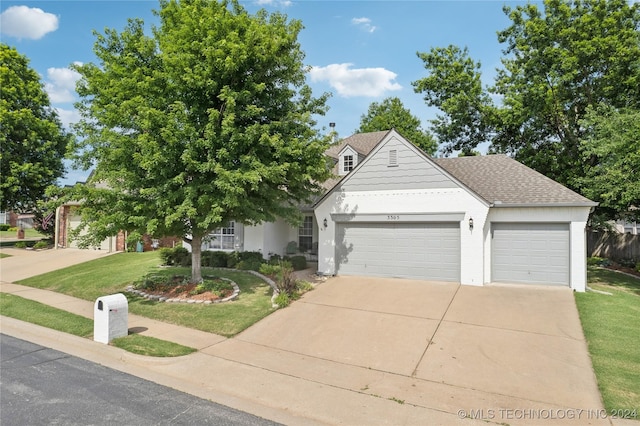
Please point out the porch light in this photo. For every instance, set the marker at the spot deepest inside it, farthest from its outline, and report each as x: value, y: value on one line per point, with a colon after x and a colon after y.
x: 471, y: 224
x: 324, y: 222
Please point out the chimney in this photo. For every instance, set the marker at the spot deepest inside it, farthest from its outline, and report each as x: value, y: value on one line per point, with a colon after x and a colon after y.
x: 333, y: 132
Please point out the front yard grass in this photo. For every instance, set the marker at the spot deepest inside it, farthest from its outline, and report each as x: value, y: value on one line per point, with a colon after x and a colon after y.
x: 611, y: 326
x: 112, y: 274
x: 46, y: 316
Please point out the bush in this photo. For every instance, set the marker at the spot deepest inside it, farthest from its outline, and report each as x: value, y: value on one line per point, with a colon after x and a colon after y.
x: 42, y: 244
x: 638, y: 266
x: 298, y: 262
x: 178, y: 256
x: 628, y: 263
x: 4, y: 226
x: 21, y: 245
x: 598, y: 261
x: 214, y: 259
x: 249, y: 265
x: 282, y: 300
x: 282, y: 274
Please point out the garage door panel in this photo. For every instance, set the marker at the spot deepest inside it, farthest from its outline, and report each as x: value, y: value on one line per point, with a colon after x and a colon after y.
x: 536, y: 253
x: 407, y: 250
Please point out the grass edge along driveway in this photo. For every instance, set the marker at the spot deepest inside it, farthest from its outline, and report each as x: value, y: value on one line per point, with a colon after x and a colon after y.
x: 612, y: 329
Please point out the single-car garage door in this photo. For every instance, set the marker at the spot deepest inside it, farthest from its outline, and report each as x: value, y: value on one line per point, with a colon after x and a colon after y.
x: 74, y: 222
x: 530, y: 253
x: 428, y: 251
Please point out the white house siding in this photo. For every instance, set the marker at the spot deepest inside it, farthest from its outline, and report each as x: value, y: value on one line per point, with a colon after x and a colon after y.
x: 427, y: 205
x: 412, y: 171
x: 574, y: 217
x: 269, y: 238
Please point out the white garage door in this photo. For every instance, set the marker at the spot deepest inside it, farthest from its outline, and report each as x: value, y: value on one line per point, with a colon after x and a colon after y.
x: 74, y: 222
x: 530, y: 253
x: 428, y: 251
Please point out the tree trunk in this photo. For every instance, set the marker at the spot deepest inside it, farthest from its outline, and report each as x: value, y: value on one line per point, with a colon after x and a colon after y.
x: 196, y: 255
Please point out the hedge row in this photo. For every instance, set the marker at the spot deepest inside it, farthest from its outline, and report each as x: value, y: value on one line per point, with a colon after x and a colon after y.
x: 247, y: 260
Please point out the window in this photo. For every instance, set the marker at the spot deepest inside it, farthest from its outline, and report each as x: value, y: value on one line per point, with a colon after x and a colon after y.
x: 305, y: 234
x: 223, y: 238
x: 348, y: 163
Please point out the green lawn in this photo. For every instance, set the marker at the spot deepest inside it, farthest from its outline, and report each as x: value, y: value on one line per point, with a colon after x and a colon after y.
x: 112, y: 274
x: 3, y: 255
x: 28, y: 233
x: 611, y: 326
x: 37, y: 313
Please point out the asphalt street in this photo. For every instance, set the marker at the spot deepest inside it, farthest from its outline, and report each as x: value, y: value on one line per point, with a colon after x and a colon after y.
x: 41, y: 386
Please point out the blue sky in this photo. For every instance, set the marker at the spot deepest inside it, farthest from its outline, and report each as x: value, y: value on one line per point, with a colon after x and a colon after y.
x: 360, y: 51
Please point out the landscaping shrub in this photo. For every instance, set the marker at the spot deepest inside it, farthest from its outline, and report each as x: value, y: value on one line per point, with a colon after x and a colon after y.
x: 274, y: 258
x: 13, y: 229
x: 598, y: 261
x: 178, y: 256
x: 628, y: 263
x: 282, y: 300
x: 282, y: 274
x: 4, y: 226
x: 21, y: 245
x: 249, y: 265
x: 298, y: 262
x: 214, y: 259
x: 42, y: 244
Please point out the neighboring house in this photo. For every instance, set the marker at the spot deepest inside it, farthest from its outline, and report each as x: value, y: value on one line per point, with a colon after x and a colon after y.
x: 67, y: 219
x: 624, y: 227
x: 393, y: 211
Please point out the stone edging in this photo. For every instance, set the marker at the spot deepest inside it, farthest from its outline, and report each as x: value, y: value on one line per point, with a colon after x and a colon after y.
x: 234, y: 295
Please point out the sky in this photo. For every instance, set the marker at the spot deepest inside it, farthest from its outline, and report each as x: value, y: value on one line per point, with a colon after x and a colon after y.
x: 359, y: 51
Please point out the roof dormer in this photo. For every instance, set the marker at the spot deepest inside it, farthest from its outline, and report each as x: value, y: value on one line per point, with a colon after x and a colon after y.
x: 347, y: 160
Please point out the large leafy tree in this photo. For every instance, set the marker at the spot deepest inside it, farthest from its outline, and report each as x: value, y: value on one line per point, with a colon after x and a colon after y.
x: 206, y: 121
x: 558, y: 61
x: 32, y: 140
x: 612, y: 143
x: 391, y: 114
x: 454, y: 86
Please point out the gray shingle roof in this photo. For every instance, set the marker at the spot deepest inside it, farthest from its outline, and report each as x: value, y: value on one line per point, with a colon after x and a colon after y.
x: 499, y: 179
x: 363, y: 143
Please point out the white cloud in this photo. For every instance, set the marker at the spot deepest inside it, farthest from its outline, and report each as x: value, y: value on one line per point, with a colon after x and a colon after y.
x: 27, y: 22
x: 364, y: 23
x: 283, y: 3
x: 61, y: 84
x: 349, y: 82
x: 68, y: 117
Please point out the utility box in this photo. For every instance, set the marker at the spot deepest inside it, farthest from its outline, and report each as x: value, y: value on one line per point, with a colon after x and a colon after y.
x: 110, y: 318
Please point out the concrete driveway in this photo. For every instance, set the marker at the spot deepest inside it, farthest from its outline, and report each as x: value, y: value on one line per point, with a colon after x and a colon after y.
x: 488, y: 351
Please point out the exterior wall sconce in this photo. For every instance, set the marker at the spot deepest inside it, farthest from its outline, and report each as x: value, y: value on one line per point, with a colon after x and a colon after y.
x: 324, y: 222
x: 471, y: 224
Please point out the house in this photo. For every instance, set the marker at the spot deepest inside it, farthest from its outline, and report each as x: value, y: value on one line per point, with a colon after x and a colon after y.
x: 393, y: 211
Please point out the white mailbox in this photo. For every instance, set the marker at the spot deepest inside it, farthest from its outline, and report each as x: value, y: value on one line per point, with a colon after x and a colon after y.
x: 110, y: 318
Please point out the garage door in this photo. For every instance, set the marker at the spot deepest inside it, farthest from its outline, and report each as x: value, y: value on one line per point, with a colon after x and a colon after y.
x: 74, y: 222
x: 406, y: 250
x: 530, y: 253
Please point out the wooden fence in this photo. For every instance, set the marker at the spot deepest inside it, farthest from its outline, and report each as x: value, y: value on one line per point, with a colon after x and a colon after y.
x: 613, y: 245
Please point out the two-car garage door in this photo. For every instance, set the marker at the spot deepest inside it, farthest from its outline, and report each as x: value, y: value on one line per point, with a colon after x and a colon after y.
x: 429, y: 251
x: 530, y: 253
